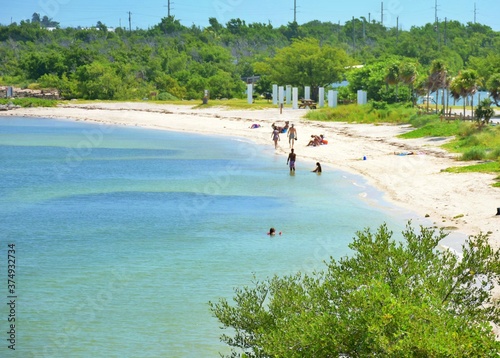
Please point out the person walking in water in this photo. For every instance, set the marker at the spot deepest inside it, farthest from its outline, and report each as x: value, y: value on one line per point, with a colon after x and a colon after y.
x: 292, y: 135
x: 291, y: 161
x: 276, y: 137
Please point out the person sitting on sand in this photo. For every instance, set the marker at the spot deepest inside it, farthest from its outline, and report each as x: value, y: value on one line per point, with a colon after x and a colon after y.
x: 315, y: 141
x: 253, y: 126
x: 318, y: 168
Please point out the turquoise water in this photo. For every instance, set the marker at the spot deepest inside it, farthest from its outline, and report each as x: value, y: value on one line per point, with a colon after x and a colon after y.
x: 123, y: 235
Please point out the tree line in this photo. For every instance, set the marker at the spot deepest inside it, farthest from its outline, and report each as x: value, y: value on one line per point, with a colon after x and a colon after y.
x: 173, y: 61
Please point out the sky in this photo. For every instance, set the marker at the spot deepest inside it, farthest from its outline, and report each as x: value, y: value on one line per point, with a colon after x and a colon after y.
x: 147, y: 13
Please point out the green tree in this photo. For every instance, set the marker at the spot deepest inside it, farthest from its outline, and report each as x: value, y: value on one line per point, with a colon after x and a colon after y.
x: 98, y: 81
x: 169, y: 25
x: 465, y: 85
x: 36, y: 18
x: 408, y: 75
x: 306, y: 63
x: 484, y: 112
x: 390, y: 298
x: 37, y: 63
x: 101, y: 27
x: 373, y: 79
x: 392, y: 76
x: 493, y: 86
x: 437, y: 79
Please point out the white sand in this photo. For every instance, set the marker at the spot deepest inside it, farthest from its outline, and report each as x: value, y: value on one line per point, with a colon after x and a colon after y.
x: 466, y: 203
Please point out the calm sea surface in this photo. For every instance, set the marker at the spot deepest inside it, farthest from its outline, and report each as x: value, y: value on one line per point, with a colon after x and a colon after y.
x: 122, y: 235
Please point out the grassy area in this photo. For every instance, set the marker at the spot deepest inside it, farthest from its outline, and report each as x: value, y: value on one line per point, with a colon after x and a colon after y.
x: 485, y: 167
x: 432, y: 126
x: 235, y: 103
x: 29, y: 102
x: 474, y: 143
x: 370, y: 113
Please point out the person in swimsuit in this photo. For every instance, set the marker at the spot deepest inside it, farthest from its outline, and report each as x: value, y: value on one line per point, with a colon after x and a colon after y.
x: 292, y: 135
x: 291, y: 161
x: 318, y: 168
x: 276, y: 138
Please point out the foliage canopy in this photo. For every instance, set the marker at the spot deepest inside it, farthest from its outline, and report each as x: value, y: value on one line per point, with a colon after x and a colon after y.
x: 408, y: 298
x: 172, y: 60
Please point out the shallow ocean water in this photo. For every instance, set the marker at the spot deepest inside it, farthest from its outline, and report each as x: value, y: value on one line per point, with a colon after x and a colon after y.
x: 123, y: 235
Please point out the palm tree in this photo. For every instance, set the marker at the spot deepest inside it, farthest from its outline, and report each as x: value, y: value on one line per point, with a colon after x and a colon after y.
x: 392, y: 76
x: 493, y: 86
x: 471, y: 82
x: 437, y: 78
x: 408, y: 75
x: 456, y: 89
x: 464, y: 85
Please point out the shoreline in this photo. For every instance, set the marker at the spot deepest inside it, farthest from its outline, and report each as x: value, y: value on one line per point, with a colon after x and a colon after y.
x: 461, y: 203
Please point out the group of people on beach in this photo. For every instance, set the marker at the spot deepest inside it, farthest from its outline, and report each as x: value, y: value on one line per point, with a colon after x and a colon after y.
x: 290, y: 131
x: 292, y: 137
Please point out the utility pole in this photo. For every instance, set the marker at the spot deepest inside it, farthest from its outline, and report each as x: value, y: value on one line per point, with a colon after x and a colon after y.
x: 445, y: 23
x: 436, y: 12
x: 353, y: 40
x: 129, y: 21
x: 169, y: 8
x: 364, y: 28
x: 397, y: 29
x: 294, y: 11
x: 436, y: 22
x: 382, y: 13
x: 437, y: 34
x: 475, y: 12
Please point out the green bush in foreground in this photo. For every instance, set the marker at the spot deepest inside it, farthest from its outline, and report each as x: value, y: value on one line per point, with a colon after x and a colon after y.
x: 389, y: 299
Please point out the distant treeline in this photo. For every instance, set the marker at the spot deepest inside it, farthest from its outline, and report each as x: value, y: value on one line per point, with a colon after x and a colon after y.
x: 170, y: 61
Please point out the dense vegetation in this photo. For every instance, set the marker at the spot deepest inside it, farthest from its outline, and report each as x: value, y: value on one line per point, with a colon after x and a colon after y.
x: 390, y: 298
x: 170, y: 61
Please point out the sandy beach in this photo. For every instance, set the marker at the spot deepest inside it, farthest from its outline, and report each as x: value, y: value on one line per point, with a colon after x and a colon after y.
x: 466, y: 203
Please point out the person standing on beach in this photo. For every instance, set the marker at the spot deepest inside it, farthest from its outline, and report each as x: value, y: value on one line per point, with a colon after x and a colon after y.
x: 276, y: 137
x: 292, y: 135
x: 291, y: 160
